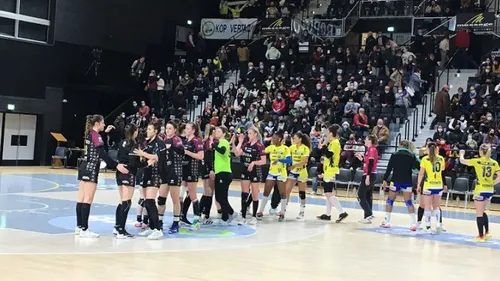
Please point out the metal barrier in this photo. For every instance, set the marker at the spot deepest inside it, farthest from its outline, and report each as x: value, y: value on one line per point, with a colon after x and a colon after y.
x: 415, y: 124
x: 424, y: 112
x: 407, y: 129
x: 398, y: 139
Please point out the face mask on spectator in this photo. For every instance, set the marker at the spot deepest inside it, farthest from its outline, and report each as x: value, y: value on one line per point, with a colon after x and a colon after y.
x: 440, y: 130
x: 487, y: 71
x: 489, y: 118
x: 322, y: 79
x: 492, y: 133
x: 379, y: 125
x: 313, y: 68
x: 471, y: 130
x: 345, y: 126
x: 282, y: 66
x: 307, y: 112
x: 279, y: 97
x: 318, y: 87
x: 351, y: 137
x: 328, y: 88
x: 123, y: 115
x: 261, y: 66
x: 321, y: 70
x: 443, y: 142
x: 485, y: 104
x: 243, y: 120
x: 462, y: 118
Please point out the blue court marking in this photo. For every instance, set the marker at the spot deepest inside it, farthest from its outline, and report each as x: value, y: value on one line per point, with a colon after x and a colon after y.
x: 57, y: 216
x: 13, y: 183
x: 447, y: 237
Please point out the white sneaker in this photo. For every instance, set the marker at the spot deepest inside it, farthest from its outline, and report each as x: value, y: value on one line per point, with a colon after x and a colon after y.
x: 273, y: 212
x: 371, y: 217
x: 251, y: 221
x: 145, y: 232
x: 155, y: 235
x: 222, y: 223
x: 300, y: 216
x: 77, y: 231
x: 365, y: 221
x: 385, y: 224
x: 442, y: 229
x: 233, y: 217
x: 121, y: 236
x: 88, y: 234
x: 206, y: 221
x: 313, y: 193
x: 115, y: 232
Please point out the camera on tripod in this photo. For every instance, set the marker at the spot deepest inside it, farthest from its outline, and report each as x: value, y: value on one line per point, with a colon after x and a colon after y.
x: 96, y: 54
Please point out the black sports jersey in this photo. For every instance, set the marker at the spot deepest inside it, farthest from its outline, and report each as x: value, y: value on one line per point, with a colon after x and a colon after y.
x: 251, y: 152
x: 156, y: 146
x: 175, y: 154
x: 208, y: 160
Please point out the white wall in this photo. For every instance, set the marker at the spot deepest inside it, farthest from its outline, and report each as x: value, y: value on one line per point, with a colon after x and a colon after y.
x: 19, y: 125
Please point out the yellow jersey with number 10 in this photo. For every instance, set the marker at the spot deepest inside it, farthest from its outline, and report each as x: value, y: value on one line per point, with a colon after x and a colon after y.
x: 331, y: 165
x: 485, y: 171
x: 298, y: 153
x: 276, y: 153
x: 433, y: 172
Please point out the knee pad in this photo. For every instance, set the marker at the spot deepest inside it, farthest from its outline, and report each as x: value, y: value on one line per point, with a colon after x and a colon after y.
x: 302, y: 195
x: 409, y: 203
x: 150, y: 203
x: 390, y: 202
x: 162, y: 201
x: 141, y: 202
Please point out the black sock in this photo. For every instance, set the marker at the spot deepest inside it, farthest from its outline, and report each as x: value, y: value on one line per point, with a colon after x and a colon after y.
x: 203, y: 203
x: 441, y: 216
x: 420, y: 214
x: 196, y: 208
x: 79, y: 214
x: 185, y: 206
x: 219, y: 211
x: 249, y: 200
x: 146, y: 218
x: 486, y: 223
x: 176, y: 220
x: 244, y: 206
x: 124, y: 213
x: 208, y: 206
x: 153, y: 213
x: 255, y: 205
x: 85, y: 216
x: 480, y: 225
x: 139, y: 218
x: 117, y: 214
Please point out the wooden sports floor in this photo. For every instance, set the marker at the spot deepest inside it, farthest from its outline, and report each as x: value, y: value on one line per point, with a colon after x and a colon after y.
x: 37, y: 220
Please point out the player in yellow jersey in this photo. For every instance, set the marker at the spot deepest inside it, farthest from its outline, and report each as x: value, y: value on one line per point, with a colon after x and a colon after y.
x: 432, y: 168
x: 331, y: 150
x: 279, y: 156
x: 486, y: 169
x: 297, y: 172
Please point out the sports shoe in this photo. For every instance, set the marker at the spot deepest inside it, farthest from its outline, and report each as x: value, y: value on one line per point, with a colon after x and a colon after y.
x: 365, y: 221
x: 185, y: 221
x: 479, y: 239
x: 385, y: 224
x: 252, y: 221
x: 439, y: 229
x: 324, y: 217
x: 124, y: 235
x: 342, y: 217
x: 260, y: 216
x: 300, y: 216
x: 487, y: 236
x: 427, y: 230
x: 155, y: 235
x: 115, y: 231
x: 138, y: 224
x: 281, y: 218
x: 273, y: 212
x: 145, y: 232
x: 174, y: 229
x: 443, y: 229
x: 313, y: 193
x: 77, y: 231
x: 88, y: 234
x: 195, y: 226
x: 207, y: 221
x: 232, y: 217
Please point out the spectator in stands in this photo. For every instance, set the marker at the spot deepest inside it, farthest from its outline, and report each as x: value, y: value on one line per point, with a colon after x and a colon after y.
x: 370, y: 41
x: 351, y: 107
x: 243, y: 58
x: 433, y: 10
x: 272, y: 12
x: 360, y: 122
x: 444, y: 48
x: 279, y: 106
x: 396, y: 79
x: 144, y: 110
x: 415, y: 84
x: 382, y: 134
x: 301, y: 103
x: 441, y: 106
x: 138, y: 67
x: 236, y: 11
x: 273, y: 55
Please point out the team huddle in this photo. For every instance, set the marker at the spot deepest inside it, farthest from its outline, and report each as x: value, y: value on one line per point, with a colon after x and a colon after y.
x: 174, y: 157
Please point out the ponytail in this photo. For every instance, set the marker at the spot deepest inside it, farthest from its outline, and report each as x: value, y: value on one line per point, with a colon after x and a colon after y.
x: 432, y: 152
x: 485, y: 150
x: 88, y: 125
x: 304, y: 139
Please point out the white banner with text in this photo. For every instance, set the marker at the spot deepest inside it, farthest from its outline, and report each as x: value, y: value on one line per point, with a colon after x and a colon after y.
x: 241, y: 29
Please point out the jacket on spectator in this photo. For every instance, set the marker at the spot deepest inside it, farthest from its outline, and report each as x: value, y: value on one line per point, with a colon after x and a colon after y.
x: 381, y: 133
x: 442, y: 103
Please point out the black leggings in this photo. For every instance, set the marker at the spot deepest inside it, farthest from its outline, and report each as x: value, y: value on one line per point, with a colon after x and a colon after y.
x: 276, y: 198
x: 222, y: 182
x: 365, y: 195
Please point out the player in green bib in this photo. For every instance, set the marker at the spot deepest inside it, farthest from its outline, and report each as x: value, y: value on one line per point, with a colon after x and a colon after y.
x: 223, y: 174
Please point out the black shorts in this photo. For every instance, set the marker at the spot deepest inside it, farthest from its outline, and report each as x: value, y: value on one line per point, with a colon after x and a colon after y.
x: 173, y: 179
x: 88, y: 172
x: 126, y: 180
x: 252, y: 176
x: 151, y: 179
x: 328, y: 187
x: 189, y: 175
x: 206, y: 172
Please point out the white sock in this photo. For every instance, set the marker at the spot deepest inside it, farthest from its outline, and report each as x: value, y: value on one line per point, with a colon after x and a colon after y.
x: 183, y: 191
x: 328, y: 211
x: 336, y: 203
x: 388, y: 217
x: 263, y: 204
x: 427, y: 215
x: 302, y: 208
x: 413, y: 218
x: 283, y: 206
x: 437, y: 214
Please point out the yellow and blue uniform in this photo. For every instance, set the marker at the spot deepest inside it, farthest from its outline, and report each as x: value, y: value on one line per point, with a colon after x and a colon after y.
x: 280, y: 155
x: 433, y: 183
x: 331, y: 164
x: 485, y: 171
x: 298, y: 153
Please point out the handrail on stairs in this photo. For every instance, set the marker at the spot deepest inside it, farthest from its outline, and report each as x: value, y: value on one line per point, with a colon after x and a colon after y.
x: 407, y: 129
x: 423, y: 121
x: 427, y: 33
x: 415, y: 124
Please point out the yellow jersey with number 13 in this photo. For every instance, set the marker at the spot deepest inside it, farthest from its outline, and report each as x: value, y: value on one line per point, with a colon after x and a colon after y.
x: 433, y: 172
x: 331, y: 165
x: 485, y: 171
x: 276, y: 153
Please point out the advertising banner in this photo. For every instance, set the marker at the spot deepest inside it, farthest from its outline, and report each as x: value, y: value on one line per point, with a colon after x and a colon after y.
x: 240, y: 29
x: 276, y: 26
x: 323, y: 28
x: 476, y: 22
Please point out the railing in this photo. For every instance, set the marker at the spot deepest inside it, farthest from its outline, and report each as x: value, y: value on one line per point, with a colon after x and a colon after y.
x: 397, y: 139
x: 415, y: 124
x: 423, y: 122
x: 446, y: 68
x: 385, y: 9
x: 407, y: 129
x: 114, y: 112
